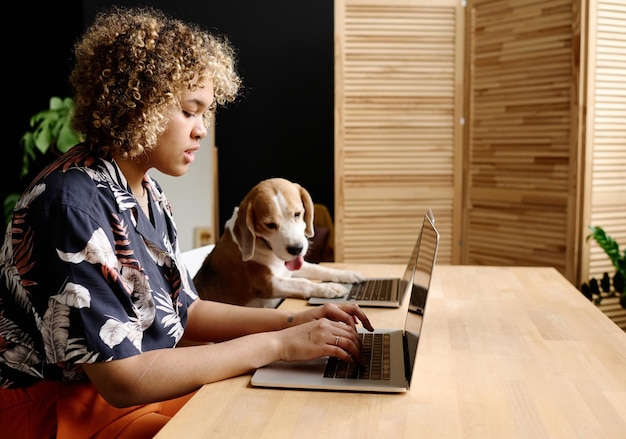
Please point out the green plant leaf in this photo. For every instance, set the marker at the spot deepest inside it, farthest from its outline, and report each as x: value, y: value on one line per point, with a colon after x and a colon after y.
x: 43, y: 136
x: 28, y: 147
x: 56, y: 103
x: 608, y: 244
x: 9, y: 203
x: 50, y: 128
x: 610, y: 247
x: 67, y: 138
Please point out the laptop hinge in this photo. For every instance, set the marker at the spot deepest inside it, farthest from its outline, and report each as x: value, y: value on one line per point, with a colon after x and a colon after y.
x: 408, y: 366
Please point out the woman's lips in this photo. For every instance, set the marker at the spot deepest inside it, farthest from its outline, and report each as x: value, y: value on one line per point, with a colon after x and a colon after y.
x: 190, y: 155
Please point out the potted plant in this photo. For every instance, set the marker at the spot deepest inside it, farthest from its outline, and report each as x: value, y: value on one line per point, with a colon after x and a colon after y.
x: 51, y: 135
x: 608, y: 286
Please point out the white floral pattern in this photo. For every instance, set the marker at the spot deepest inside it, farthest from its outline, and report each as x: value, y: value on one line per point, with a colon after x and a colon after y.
x: 85, y: 276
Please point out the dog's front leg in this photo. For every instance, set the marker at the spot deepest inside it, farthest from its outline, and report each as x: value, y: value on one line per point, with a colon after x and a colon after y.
x: 303, y: 288
x: 329, y: 274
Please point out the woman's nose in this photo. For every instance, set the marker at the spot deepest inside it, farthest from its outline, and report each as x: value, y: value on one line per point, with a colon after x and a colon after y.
x: 199, y: 130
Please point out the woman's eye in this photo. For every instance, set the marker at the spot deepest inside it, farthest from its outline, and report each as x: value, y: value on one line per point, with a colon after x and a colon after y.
x: 188, y: 114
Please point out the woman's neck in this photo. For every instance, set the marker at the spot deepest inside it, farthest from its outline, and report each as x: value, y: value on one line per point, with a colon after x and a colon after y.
x: 134, y: 173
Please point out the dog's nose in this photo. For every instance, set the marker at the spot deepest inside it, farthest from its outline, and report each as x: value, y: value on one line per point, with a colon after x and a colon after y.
x: 295, y: 249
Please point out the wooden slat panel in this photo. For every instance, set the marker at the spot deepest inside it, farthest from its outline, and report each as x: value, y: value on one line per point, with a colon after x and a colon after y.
x: 521, y: 137
x: 397, y: 70
x: 606, y: 138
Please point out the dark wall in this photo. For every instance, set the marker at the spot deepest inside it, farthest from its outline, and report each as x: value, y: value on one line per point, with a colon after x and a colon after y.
x: 36, y: 64
x: 281, y: 126
x: 283, y: 123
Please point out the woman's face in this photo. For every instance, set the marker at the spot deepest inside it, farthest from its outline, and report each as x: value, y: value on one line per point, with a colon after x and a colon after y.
x: 176, y: 146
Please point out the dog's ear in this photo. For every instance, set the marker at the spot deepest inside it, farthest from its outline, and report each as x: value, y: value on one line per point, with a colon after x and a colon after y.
x: 244, y: 231
x: 308, y: 212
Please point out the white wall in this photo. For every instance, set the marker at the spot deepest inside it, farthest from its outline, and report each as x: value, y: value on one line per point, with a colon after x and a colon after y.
x: 191, y: 195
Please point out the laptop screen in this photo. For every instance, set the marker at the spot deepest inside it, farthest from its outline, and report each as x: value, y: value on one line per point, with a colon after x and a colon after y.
x: 410, y: 266
x: 421, y: 283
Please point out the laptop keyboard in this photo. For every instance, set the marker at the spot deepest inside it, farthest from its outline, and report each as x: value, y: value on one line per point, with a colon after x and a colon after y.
x: 375, y: 354
x: 373, y: 289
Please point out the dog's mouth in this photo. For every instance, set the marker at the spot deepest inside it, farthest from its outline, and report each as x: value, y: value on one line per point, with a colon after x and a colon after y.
x: 295, y: 264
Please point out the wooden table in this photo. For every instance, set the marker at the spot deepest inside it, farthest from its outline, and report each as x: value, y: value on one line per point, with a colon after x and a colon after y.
x: 506, y: 352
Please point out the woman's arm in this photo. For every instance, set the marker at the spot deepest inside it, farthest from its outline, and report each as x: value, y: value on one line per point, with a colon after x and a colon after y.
x: 163, y: 374
x: 215, y: 321
x: 168, y: 373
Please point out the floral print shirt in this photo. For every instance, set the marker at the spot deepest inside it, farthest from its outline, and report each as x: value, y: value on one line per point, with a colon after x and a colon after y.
x: 85, y: 275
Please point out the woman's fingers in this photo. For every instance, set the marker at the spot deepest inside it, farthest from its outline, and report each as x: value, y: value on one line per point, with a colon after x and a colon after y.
x: 345, y: 340
x: 322, y: 337
x: 348, y: 313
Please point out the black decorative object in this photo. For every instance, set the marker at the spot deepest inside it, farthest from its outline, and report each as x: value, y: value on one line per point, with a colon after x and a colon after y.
x: 608, y: 286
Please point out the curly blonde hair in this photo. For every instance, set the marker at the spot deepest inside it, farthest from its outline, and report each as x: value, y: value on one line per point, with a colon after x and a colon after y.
x: 132, y: 65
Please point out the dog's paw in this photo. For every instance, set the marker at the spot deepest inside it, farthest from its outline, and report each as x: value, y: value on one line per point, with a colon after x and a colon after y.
x: 330, y: 290
x: 350, y: 277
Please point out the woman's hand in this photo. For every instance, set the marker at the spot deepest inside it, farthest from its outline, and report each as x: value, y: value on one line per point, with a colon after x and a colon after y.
x: 318, y: 338
x: 348, y: 313
x: 327, y: 330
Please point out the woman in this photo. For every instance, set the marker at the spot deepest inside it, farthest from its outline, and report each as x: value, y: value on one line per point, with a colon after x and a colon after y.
x: 93, y: 294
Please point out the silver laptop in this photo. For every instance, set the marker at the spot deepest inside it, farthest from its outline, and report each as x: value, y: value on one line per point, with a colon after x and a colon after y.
x: 399, y: 345
x: 386, y: 292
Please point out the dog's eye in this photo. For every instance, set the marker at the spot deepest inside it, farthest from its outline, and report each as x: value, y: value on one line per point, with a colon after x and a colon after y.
x: 298, y: 215
x: 270, y: 226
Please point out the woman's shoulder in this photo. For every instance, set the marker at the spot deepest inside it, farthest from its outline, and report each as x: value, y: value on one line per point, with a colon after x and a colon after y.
x: 76, y: 178
x: 73, y: 166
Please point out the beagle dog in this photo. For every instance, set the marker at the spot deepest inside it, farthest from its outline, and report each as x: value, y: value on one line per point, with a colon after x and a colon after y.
x: 259, y: 259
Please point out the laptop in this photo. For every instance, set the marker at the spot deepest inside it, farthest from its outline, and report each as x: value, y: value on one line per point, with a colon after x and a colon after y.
x: 388, y: 292
x: 398, y: 346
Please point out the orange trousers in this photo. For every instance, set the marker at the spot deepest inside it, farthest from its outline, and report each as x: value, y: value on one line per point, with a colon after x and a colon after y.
x: 77, y: 411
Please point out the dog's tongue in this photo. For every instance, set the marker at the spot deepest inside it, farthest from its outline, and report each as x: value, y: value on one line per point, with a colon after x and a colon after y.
x: 294, y: 265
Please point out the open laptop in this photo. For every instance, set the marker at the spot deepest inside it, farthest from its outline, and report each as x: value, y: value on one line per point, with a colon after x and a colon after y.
x: 401, y: 345
x: 386, y: 292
